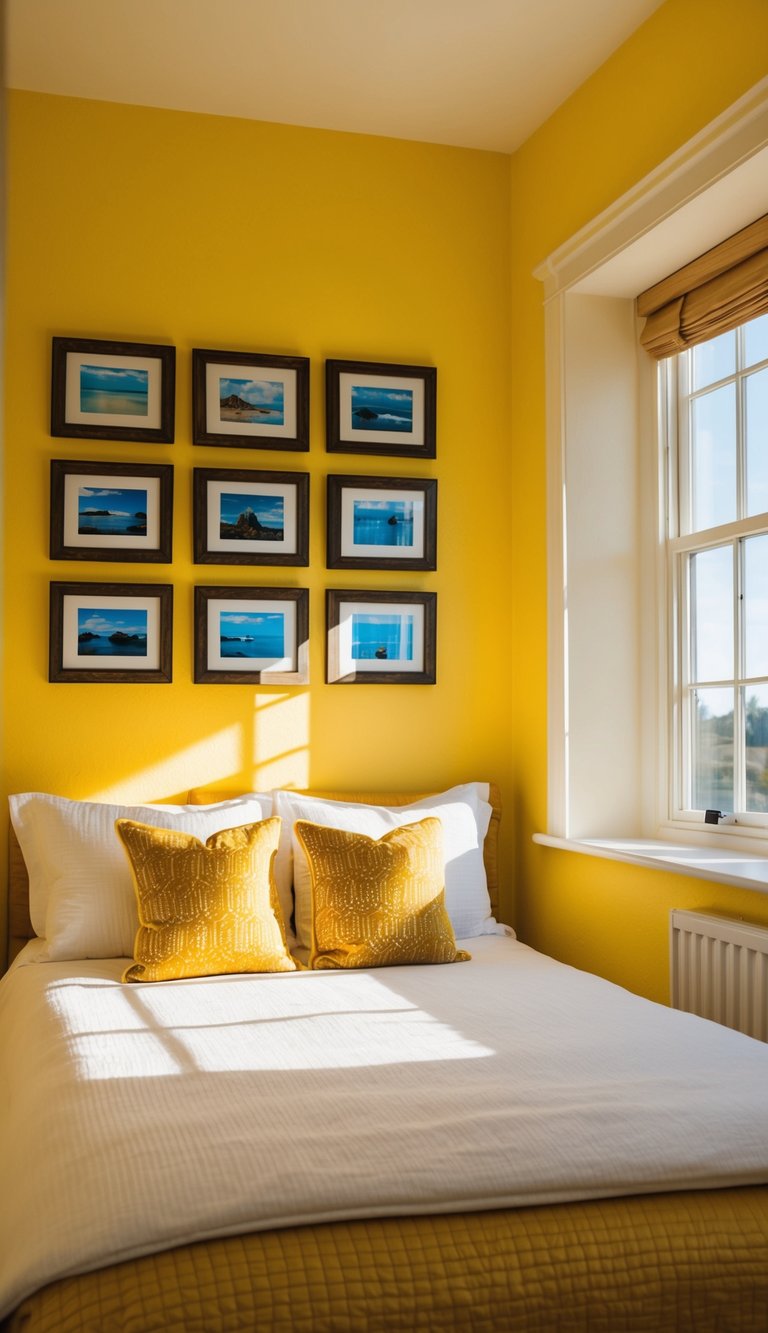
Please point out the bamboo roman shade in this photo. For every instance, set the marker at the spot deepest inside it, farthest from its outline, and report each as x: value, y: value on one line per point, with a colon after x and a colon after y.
x: 722, y: 288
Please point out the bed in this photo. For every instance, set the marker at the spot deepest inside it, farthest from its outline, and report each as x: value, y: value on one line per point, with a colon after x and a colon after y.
x: 502, y: 1144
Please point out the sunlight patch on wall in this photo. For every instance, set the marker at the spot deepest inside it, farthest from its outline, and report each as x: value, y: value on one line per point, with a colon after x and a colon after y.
x: 281, y: 741
x: 208, y: 761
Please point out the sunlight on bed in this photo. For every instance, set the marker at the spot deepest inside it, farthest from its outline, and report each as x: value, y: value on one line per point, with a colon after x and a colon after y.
x: 242, y: 1024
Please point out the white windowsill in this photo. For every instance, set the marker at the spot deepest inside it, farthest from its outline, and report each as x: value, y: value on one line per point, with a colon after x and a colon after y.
x: 723, y: 865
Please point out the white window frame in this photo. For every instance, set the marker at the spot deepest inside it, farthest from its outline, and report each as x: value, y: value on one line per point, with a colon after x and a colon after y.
x: 709, y: 189
x: 683, y: 541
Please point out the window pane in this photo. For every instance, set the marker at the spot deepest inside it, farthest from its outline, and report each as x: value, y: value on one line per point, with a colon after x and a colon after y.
x: 713, y: 457
x: 756, y: 713
x: 756, y: 340
x: 714, y: 360
x: 712, y: 614
x: 756, y: 605
x: 757, y: 442
x: 712, y: 750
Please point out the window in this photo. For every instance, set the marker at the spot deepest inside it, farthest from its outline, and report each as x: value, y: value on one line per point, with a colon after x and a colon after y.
x: 616, y: 739
x: 717, y: 410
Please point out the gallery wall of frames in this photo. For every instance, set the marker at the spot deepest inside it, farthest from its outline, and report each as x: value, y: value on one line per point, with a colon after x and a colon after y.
x: 249, y: 633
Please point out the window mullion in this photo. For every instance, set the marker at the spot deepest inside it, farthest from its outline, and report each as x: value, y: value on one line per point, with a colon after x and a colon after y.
x: 739, y: 734
x: 741, y: 434
x: 739, y: 659
x: 684, y: 461
x: 684, y: 785
x: 686, y: 628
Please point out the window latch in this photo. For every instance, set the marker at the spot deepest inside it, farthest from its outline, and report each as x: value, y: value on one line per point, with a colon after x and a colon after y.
x: 712, y: 816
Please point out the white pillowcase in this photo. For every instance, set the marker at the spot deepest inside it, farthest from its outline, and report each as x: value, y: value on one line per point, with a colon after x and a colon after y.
x: 465, y: 815
x: 81, y: 893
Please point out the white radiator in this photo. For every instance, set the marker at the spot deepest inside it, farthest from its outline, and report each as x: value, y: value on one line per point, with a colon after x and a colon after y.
x: 719, y: 969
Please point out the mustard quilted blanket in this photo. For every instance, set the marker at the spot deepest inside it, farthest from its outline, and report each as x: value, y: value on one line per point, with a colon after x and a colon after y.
x: 690, y: 1261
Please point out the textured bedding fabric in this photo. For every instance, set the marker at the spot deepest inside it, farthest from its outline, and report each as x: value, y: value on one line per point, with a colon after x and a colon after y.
x: 654, y: 1264
x: 140, y: 1118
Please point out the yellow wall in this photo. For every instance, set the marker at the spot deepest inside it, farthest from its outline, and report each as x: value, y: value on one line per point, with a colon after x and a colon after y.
x: 200, y: 231
x: 144, y: 224
x: 691, y: 60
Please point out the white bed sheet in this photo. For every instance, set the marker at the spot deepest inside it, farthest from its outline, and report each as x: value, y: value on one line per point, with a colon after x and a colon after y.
x: 140, y: 1117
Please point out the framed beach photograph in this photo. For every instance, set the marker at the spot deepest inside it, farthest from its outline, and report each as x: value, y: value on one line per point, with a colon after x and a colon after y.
x: 380, y: 638
x: 110, y: 633
x: 250, y: 400
x: 251, y: 636
x: 111, y: 511
x: 113, y: 390
x: 250, y: 518
x: 381, y: 523
x: 375, y: 408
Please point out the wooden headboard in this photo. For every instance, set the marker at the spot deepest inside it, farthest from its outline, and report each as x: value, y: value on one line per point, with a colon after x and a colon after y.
x: 20, y: 927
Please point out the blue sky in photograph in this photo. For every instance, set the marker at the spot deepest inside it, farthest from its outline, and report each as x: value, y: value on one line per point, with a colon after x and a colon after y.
x: 392, y: 620
x: 122, y: 502
x: 105, y: 620
x: 375, y: 408
x: 261, y: 625
x: 111, y: 379
x: 259, y: 393
x: 269, y: 509
x: 384, y: 508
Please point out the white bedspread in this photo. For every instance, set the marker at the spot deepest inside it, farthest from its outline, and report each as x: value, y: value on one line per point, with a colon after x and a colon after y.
x: 139, y: 1117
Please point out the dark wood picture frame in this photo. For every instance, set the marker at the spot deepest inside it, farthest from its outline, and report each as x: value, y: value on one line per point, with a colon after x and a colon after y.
x: 64, y: 632
x: 158, y: 403
x: 410, y: 390
x: 247, y: 601
x: 341, y: 523
x: 291, y: 433
x: 339, y: 662
x: 107, y: 546
x: 247, y: 550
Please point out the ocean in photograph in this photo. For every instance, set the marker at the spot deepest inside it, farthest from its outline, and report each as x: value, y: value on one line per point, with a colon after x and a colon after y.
x: 382, y: 523
x: 258, y: 635
x: 113, y: 391
x: 375, y: 408
x: 111, y: 633
x: 382, y: 638
x: 251, y: 517
x: 118, y: 512
x: 252, y: 401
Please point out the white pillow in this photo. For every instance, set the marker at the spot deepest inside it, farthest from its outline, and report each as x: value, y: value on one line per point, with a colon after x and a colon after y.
x: 464, y: 813
x: 81, y: 894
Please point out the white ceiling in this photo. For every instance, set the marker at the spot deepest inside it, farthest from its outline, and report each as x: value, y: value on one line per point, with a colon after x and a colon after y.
x: 473, y: 73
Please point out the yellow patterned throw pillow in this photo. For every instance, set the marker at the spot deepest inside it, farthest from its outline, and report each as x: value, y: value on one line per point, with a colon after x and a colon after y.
x: 381, y: 902
x: 205, y: 908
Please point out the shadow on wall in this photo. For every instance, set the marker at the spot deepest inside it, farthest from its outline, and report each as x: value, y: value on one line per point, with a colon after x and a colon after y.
x: 276, y: 754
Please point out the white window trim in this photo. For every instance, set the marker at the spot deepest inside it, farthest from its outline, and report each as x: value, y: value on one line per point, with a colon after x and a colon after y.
x: 707, y: 190
x: 741, y: 867
x: 684, y: 540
